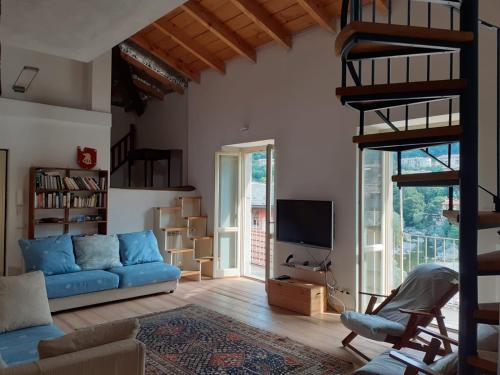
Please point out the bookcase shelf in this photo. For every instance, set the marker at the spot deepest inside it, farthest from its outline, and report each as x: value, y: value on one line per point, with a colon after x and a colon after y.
x: 46, y: 195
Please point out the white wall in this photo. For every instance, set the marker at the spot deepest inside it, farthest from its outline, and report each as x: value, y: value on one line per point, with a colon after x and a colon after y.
x: 47, y: 136
x: 60, y: 81
x: 137, y: 214
x: 288, y: 96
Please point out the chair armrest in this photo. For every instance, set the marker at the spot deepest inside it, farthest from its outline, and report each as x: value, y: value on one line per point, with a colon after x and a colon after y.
x: 420, y: 313
x: 412, y: 363
x: 437, y: 335
x: 373, y: 294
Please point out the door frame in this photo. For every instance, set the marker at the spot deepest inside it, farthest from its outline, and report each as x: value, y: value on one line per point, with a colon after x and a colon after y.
x: 240, y: 149
x: 3, y: 269
x: 228, y: 272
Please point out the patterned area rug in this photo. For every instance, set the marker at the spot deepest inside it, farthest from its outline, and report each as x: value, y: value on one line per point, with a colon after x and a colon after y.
x: 194, y: 340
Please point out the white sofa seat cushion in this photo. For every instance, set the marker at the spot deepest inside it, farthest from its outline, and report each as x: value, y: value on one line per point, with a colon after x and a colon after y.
x: 371, y: 326
x: 23, y: 302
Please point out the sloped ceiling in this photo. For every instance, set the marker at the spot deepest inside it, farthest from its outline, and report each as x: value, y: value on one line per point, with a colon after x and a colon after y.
x: 77, y: 29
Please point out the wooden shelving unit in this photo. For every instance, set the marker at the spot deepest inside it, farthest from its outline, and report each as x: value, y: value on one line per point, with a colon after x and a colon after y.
x: 65, y: 211
x: 182, y: 235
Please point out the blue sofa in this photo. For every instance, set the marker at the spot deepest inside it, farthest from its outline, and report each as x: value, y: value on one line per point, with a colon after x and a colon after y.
x: 141, y: 271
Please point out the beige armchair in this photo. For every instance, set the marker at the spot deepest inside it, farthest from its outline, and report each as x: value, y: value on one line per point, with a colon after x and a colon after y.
x: 125, y: 357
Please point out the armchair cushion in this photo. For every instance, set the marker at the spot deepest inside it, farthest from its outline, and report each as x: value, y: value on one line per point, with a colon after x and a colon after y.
x: 422, y: 290
x: 371, y: 326
x: 382, y: 364
x: 447, y: 365
x: 487, y: 337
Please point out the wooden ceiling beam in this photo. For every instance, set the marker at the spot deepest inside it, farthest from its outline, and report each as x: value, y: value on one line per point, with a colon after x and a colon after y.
x: 165, y: 57
x: 150, y: 72
x: 217, y: 27
x: 265, y: 21
x: 147, y: 89
x: 171, y: 30
x: 318, y: 14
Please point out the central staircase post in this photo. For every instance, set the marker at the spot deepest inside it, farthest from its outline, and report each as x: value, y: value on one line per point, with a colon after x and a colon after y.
x: 468, y: 188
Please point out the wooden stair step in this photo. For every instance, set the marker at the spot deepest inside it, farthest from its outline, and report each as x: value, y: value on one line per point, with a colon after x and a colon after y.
x: 188, y: 273
x: 486, y: 219
x: 360, y: 39
x: 488, y: 313
x: 488, y: 264
x: 195, y: 217
x: 485, y: 364
x: 204, y: 259
x: 409, y: 139
x: 375, y: 97
x: 174, y: 229
x: 447, y: 178
x: 180, y: 250
x: 173, y: 208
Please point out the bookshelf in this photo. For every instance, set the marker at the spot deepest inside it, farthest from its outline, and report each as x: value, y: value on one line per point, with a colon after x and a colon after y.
x: 67, y: 200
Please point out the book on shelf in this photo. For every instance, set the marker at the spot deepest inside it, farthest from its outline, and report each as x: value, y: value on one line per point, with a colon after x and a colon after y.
x: 52, y: 180
x: 69, y: 200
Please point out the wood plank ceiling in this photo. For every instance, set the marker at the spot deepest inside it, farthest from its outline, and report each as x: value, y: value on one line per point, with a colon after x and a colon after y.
x: 205, y: 34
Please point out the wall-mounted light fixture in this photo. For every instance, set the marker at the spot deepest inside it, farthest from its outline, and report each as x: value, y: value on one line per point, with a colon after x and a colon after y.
x: 25, y: 78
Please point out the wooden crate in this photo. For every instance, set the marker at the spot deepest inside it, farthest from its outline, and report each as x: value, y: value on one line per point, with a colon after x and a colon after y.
x: 297, y: 295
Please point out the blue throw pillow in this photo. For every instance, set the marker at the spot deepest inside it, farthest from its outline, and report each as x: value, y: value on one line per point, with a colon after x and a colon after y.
x: 139, y: 247
x: 51, y: 255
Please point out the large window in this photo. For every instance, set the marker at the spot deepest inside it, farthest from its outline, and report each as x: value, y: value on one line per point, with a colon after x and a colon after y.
x: 405, y: 227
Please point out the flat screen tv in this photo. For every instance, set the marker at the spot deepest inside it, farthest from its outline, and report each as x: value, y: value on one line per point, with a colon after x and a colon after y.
x: 305, y: 222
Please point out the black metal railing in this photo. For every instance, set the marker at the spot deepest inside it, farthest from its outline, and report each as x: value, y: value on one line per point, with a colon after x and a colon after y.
x: 469, y: 108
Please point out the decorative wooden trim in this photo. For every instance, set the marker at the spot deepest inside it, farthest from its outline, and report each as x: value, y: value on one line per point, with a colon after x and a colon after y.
x: 148, y: 90
x: 313, y: 9
x: 171, y: 30
x: 265, y: 21
x: 165, y: 57
x: 212, y: 23
x: 150, y: 72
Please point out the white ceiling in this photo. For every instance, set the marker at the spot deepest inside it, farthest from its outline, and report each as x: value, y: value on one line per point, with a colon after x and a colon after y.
x: 76, y: 29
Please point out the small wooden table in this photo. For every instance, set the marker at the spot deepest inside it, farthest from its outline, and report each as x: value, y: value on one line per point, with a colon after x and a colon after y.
x: 297, y: 295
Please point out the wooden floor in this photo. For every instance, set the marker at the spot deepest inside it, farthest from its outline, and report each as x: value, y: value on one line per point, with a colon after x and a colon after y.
x: 240, y: 298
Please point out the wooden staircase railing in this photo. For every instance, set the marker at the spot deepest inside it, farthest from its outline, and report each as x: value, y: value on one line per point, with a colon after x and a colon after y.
x: 120, y: 150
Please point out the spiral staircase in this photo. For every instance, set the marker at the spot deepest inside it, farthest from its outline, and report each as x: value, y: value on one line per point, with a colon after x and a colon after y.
x: 367, y: 46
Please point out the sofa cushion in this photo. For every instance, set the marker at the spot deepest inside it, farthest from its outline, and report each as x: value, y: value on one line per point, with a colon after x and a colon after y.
x: 23, y: 302
x: 89, y: 337
x: 147, y: 273
x: 82, y: 282
x: 18, y: 347
x: 97, y: 252
x: 373, y: 327
x: 51, y: 255
x: 138, y: 248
